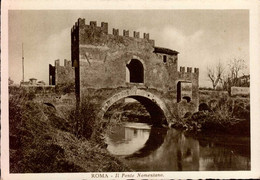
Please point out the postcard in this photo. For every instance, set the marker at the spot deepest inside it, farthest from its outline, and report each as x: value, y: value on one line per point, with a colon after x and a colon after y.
x: 130, y: 89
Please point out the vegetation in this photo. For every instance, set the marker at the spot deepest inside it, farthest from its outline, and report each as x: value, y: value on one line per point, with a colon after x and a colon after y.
x: 233, y: 75
x: 65, y: 88
x: 42, y: 139
x: 228, y: 116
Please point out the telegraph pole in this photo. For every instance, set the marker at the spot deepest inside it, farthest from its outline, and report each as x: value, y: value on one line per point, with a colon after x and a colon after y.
x: 23, y: 61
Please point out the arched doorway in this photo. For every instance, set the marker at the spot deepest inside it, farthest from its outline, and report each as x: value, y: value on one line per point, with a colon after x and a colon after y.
x: 135, y: 71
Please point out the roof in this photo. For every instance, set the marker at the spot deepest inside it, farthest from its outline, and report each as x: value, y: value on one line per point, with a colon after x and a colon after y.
x: 165, y: 51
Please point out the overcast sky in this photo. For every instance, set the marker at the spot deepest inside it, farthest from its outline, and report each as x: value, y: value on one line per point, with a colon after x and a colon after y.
x: 203, y: 37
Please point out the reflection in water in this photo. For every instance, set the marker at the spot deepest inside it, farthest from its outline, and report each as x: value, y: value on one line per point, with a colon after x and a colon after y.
x: 155, y: 140
x: 159, y: 149
x: 127, y: 139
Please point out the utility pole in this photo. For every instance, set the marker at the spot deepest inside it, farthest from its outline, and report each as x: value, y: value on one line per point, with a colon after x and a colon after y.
x: 23, y: 61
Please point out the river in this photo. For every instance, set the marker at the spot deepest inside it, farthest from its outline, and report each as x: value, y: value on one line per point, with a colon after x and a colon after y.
x: 146, y: 148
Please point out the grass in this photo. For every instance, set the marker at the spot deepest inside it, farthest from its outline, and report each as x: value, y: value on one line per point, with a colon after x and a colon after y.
x: 43, y: 139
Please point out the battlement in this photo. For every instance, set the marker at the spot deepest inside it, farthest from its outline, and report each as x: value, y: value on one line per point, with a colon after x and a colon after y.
x: 125, y: 33
x: 92, y: 24
x: 189, y: 70
x: 104, y: 28
x: 57, y: 63
x: 66, y: 63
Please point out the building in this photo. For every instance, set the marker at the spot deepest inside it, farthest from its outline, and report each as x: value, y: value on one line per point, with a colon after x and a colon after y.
x: 108, y: 67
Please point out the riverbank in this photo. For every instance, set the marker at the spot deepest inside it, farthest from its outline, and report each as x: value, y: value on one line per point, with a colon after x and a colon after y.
x: 42, y: 139
x: 229, y: 116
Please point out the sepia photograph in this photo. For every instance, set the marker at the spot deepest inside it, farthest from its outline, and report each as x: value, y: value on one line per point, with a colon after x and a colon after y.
x: 128, y: 93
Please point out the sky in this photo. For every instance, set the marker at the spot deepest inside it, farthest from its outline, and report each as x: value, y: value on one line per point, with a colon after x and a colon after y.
x: 202, y: 37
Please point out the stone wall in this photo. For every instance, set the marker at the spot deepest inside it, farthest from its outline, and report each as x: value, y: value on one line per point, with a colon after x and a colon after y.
x: 62, y: 75
x: 208, y: 95
x: 45, y: 94
x: 240, y: 91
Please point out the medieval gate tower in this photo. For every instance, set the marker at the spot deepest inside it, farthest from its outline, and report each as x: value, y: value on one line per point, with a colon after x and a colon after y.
x: 109, y: 67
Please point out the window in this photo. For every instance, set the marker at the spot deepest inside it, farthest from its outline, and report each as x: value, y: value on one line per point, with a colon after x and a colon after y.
x: 164, y: 58
x: 135, y: 71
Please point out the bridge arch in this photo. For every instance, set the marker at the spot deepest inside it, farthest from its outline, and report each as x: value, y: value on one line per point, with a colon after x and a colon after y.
x: 153, y: 104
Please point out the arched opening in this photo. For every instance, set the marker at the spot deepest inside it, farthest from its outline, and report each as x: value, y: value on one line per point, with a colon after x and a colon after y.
x: 156, y: 114
x: 141, y: 110
x: 187, y: 98
x: 156, y: 108
x: 133, y: 124
x: 135, y: 71
x: 127, y: 109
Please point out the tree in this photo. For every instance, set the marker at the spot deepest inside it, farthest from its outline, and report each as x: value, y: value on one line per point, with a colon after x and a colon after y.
x: 215, y: 74
x: 236, y: 70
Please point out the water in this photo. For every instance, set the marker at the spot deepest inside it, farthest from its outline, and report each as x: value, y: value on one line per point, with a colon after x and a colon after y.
x: 146, y: 148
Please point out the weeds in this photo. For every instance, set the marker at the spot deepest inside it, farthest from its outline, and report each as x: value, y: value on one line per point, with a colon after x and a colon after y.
x: 43, y: 141
x: 226, y: 117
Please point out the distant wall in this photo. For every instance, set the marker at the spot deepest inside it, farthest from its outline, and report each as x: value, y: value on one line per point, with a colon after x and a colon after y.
x: 242, y: 91
x: 207, y: 95
x: 212, y: 98
x: 61, y: 75
x: 45, y: 94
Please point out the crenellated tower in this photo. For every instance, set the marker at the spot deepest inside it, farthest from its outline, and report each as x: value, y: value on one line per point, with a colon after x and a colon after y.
x: 107, y: 63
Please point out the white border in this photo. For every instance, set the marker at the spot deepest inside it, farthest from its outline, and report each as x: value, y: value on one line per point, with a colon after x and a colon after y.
x: 253, y: 6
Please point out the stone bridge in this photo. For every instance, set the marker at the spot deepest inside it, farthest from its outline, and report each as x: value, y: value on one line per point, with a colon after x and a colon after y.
x: 110, y: 67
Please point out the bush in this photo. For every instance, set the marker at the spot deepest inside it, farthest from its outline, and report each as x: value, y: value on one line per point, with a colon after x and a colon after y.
x: 204, y: 107
x: 65, y: 88
x: 86, y: 123
x: 87, y: 119
x: 240, y: 112
x: 228, y: 116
